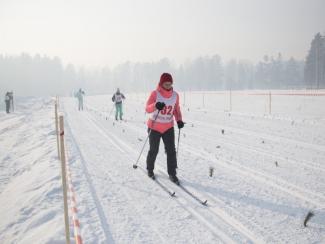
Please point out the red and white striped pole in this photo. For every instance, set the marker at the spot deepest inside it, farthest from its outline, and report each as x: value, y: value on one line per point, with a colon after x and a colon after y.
x: 73, y: 208
x: 64, y: 181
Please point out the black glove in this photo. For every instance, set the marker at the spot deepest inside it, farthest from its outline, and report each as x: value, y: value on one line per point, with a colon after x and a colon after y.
x: 180, y: 124
x: 160, y: 105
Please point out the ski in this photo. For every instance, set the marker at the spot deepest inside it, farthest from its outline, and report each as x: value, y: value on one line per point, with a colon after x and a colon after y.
x: 162, y: 186
x: 172, y: 194
x: 204, y: 203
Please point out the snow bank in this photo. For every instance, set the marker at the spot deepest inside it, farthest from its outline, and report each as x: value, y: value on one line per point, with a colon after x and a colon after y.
x: 30, y: 183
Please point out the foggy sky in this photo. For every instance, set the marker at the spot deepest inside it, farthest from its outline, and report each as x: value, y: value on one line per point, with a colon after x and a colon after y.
x: 109, y: 32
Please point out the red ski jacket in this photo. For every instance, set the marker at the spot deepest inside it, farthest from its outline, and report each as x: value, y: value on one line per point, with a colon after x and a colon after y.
x: 150, y: 108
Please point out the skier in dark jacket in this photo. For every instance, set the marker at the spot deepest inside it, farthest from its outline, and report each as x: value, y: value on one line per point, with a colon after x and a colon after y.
x: 118, y: 98
x: 7, y: 101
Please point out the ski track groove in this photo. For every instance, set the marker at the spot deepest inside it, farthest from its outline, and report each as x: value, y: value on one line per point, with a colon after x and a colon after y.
x: 304, y: 163
x: 285, y: 186
x: 240, y: 116
x: 235, y: 146
x: 271, y: 137
x: 217, y: 210
x: 270, y: 180
x: 316, y: 200
x: 154, y: 228
x: 99, y: 207
x: 220, y: 213
x: 97, y: 202
x: 234, y: 224
x: 191, y: 210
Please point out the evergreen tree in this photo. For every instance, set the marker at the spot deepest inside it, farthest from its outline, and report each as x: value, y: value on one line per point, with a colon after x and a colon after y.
x: 315, y: 63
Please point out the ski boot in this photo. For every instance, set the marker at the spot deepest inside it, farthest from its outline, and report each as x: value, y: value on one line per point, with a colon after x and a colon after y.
x: 174, y: 179
x: 151, y: 174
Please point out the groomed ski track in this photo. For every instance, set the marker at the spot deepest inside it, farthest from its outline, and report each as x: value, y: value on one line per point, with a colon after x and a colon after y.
x: 106, y: 160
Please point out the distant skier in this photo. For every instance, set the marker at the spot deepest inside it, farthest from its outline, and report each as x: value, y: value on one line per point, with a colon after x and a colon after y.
x: 11, y: 96
x: 80, y: 95
x: 118, y: 99
x: 163, y: 104
x: 7, y: 102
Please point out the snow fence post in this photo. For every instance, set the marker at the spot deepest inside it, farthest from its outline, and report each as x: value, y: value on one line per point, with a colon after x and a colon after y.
x: 270, y: 102
x: 230, y: 100
x: 64, y: 182
x: 203, y: 100
x: 56, y: 127
x: 58, y: 101
x: 12, y: 101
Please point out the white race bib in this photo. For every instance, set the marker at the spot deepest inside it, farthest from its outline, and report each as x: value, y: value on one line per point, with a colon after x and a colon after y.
x: 166, y: 114
x: 118, y: 98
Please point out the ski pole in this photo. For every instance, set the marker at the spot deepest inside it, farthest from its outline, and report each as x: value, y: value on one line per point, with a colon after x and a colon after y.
x: 12, y: 101
x: 144, y: 144
x: 110, y: 113
x: 179, y: 135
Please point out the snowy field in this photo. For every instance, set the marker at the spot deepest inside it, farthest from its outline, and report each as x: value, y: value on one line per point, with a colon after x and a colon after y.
x: 30, y: 181
x: 269, y: 171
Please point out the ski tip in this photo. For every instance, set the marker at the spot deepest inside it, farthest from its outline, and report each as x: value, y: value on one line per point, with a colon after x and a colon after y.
x: 205, y: 203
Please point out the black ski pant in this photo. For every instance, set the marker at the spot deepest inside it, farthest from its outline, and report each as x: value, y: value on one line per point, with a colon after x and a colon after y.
x: 7, y: 106
x: 168, y: 138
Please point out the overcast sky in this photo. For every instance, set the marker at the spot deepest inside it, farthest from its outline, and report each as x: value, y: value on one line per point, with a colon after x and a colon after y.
x: 109, y: 32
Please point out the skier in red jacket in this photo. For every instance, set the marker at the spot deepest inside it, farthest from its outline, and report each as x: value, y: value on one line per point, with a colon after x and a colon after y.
x: 163, y: 104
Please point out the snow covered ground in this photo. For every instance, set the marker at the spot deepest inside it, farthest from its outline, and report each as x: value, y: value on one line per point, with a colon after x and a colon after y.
x: 268, y: 172
x: 30, y: 191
